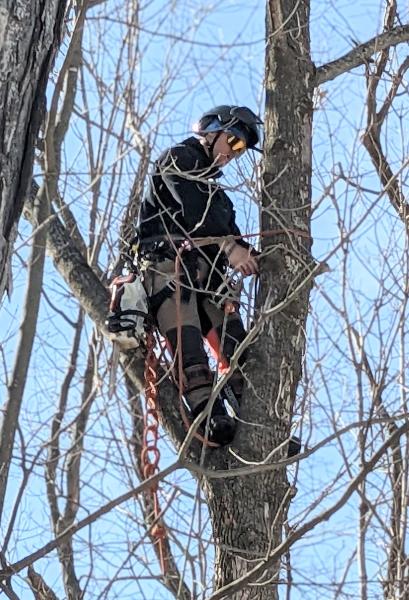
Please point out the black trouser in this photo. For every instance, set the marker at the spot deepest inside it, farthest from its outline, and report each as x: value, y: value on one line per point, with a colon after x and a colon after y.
x: 199, y: 317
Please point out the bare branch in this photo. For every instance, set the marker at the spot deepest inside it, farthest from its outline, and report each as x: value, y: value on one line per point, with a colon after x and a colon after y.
x: 361, y: 54
x: 375, y: 119
x: 65, y: 549
x: 396, y: 82
x: 26, y: 341
x: 74, y: 269
x: 397, y: 556
x: 40, y: 589
x: 60, y: 522
x: 73, y: 529
x: 257, y: 571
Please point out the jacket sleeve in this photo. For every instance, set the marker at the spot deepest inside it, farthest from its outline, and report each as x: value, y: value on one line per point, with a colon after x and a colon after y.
x: 234, y: 229
x: 195, y: 202
x: 237, y: 234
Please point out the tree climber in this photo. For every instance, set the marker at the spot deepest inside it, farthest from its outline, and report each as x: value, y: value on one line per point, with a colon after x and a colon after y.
x: 184, y: 203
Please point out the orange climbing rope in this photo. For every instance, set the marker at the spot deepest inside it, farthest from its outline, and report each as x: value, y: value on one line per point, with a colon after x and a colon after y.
x: 150, y: 455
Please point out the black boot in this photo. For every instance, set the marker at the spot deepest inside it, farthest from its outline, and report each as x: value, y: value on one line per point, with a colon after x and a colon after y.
x: 222, y: 422
x: 294, y: 446
x: 198, y: 388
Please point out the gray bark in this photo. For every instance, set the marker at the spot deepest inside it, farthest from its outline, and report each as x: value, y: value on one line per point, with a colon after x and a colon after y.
x: 248, y: 513
x: 29, y: 38
x: 39, y: 587
x: 73, y: 267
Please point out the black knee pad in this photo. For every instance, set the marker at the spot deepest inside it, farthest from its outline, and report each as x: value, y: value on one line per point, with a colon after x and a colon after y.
x: 193, y: 352
x: 197, y: 384
x: 233, y: 334
x: 236, y: 383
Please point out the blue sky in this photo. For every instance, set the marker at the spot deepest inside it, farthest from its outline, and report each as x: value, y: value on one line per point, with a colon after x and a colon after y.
x: 211, y: 76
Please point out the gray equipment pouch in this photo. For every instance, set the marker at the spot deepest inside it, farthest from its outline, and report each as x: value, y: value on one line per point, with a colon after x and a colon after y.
x: 128, y: 310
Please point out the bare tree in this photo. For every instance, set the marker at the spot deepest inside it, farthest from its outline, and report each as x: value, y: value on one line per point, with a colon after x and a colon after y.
x: 81, y: 442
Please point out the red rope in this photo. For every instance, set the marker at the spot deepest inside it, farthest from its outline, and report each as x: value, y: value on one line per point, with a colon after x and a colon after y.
x: 299, y: 232
x: 150, y: 454
x: 205, y: 241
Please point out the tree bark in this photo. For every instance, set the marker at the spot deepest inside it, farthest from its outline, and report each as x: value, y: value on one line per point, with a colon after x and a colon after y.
x: 30, y: 34
x: 248, y: 513
x: 39, y: 588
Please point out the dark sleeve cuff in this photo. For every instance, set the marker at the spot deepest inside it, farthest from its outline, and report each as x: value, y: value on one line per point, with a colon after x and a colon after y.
x: 253, y: 252
x: 241, y: 242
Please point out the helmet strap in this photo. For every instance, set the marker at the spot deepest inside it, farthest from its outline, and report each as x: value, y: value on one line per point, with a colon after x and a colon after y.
x: 212, y: 145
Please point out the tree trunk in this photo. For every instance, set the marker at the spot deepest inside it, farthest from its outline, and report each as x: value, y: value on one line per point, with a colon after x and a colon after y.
x: 29, y: 38
x: 248, y: 512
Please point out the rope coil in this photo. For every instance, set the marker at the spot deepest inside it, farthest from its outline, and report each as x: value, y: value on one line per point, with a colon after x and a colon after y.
x: 150, y: 455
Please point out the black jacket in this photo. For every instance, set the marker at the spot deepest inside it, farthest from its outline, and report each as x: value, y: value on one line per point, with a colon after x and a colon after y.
x: 184, y: 199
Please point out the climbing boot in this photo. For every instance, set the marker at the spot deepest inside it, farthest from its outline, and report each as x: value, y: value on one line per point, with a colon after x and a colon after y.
x: 223, y: 419
x: 222, y: 422
x: 294, y: 446
x: 226, y: 411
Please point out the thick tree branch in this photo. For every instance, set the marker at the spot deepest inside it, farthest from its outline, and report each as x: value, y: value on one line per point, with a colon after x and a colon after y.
x: 94, y: 298
x: 361, y: 54
x: 76, y: 272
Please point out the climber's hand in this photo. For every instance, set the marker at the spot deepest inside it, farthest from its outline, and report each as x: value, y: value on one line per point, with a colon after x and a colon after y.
x: 242, y: 259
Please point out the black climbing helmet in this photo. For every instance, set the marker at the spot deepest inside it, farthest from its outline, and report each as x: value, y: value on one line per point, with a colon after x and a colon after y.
x: 238, y: 120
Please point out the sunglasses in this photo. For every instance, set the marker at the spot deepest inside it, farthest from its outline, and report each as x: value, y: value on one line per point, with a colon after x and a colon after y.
x: 236, y: 144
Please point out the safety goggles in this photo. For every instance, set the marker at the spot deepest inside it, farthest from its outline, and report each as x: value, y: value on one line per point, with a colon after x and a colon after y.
x: 238, y: 145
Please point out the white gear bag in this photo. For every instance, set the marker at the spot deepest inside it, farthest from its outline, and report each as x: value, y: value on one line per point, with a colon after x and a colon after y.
x: 128, y: 316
